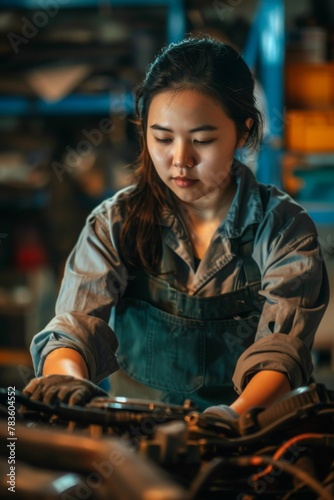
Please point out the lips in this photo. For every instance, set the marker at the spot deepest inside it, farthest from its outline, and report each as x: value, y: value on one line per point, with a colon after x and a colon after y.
x: 184, y: 182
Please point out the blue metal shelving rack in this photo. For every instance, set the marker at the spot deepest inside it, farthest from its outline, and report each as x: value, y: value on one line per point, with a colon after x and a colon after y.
x: 175, y: 10
x: 84, y: 104
x: 265, y: 50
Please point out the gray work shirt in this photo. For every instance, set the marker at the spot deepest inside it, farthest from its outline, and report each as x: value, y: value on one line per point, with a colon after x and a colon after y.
x: 286, y: 250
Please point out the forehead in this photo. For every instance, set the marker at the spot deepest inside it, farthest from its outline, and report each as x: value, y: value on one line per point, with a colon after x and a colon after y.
x: 185, y: 105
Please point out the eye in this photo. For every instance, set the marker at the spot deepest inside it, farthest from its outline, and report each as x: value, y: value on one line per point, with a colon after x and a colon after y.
x: 163, y: 141
x: 204, y: 143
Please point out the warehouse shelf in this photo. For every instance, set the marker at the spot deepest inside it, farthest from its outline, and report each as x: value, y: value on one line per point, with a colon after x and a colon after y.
x: 88, y: 104
x: 266, y: 50
x: 65, y: 4
x: 175, y: 10
x: 70, y: 105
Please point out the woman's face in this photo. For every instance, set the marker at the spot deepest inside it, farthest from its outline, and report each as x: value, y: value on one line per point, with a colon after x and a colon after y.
x: 191, y: 142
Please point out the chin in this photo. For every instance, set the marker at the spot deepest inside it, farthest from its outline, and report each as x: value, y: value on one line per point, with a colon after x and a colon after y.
x: 187, y: 197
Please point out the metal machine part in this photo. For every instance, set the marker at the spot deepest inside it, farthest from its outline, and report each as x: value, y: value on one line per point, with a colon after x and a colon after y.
x: 121, y: 449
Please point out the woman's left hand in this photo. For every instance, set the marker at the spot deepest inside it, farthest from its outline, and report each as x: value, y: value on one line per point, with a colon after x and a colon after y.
x: 222, y: 411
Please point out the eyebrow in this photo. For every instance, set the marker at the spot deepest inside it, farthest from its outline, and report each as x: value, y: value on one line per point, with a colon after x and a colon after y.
x: 201, y: 128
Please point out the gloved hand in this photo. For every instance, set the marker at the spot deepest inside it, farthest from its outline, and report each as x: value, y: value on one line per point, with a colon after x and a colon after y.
x: 62, y: 388
x: 222, y: 411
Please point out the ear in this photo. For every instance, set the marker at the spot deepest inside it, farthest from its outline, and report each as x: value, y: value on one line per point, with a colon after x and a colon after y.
x: 249, y: 122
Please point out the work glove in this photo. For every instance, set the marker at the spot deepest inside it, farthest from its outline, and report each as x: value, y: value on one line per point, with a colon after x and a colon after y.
x: 222, y: 411
x: 62, y: 389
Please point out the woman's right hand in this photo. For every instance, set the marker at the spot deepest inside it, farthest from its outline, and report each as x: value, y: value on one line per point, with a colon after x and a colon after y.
x: 63, y: 389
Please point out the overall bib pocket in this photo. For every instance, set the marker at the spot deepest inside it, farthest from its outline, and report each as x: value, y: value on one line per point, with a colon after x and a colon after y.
x: 225, y: 341
x: 180, y: 355
x: 159, y: 349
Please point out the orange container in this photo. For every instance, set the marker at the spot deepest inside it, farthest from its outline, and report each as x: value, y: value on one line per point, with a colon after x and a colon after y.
x: 309, y: 85
x: 310, y: 131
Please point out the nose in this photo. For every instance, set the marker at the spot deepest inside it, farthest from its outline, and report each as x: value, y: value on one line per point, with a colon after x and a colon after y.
x: 182, y: 156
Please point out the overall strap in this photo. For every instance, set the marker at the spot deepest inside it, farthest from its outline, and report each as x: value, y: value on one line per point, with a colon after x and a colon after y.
x: 244, y: 250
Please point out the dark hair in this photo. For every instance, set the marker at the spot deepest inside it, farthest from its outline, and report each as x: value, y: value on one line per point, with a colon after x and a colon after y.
x: 208, y: 66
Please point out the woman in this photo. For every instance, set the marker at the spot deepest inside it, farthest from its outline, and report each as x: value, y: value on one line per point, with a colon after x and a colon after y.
x: 213, y: 283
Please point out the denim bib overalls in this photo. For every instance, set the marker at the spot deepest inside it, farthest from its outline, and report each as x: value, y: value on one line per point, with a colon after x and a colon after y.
x: 187, y: 346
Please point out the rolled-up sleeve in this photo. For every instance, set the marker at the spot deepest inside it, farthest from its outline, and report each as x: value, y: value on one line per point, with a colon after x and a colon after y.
x: 296, y: 290
x: 94, y: 278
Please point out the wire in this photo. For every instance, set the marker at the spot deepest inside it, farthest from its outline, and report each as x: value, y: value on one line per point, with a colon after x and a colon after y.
x: 292, y: 470
x: 204, y: 476
x: 288, y: 444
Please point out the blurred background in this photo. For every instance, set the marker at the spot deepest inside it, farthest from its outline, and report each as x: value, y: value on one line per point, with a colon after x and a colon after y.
x: 68, y: 73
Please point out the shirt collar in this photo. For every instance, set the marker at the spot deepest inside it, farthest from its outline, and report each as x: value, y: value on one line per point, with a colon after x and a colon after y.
x: 246, y: 208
